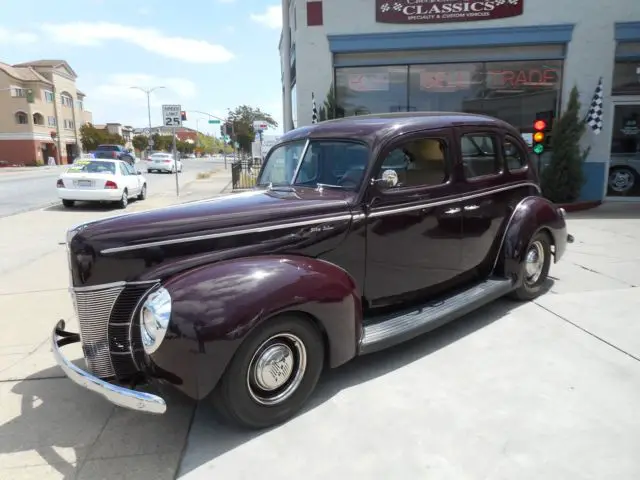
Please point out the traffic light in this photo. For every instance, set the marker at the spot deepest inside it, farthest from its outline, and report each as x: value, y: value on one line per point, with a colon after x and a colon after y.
x: 228, y: 129
x: 183, y: 116
x: 222, y: 130
x: 538, y: 136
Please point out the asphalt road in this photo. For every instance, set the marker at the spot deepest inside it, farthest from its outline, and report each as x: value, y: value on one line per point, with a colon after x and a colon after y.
x: 35, y: 188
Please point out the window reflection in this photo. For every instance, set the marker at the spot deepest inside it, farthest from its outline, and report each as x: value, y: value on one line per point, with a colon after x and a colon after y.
x: 517, y: 92
x: 626, y: 78
x: 365, y: 90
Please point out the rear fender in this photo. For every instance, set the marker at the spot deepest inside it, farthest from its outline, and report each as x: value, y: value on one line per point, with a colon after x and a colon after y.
x: 215, y: 307
x: 530, y: 216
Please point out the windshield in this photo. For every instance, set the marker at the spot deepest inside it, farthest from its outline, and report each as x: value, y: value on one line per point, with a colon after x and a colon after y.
x: 326, y: 162
x: 93, y: 166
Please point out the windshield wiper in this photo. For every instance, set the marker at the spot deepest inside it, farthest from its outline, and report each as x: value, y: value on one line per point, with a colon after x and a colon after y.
x: 326, y: 185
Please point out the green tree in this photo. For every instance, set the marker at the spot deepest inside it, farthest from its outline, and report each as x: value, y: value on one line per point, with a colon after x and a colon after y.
x: 563, y: 178
x: 140, y: 142
x: 162, y: 142
x: 91, y: 137
x: 243, y: 118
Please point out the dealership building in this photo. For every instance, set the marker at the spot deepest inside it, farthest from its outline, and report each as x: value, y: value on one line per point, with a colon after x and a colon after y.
x: 513, y: 59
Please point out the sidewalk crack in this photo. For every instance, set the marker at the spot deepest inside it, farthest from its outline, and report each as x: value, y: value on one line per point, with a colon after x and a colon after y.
x: 628, y: 354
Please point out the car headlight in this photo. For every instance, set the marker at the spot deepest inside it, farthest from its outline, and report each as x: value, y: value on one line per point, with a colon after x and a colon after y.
x: 154, y: 319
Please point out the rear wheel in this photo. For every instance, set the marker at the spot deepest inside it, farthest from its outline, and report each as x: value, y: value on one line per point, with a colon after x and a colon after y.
x: 272, y: 373
x: 68, y: 203
x: 143, y: 192
x: 124, y: 200
x: 535, y: 268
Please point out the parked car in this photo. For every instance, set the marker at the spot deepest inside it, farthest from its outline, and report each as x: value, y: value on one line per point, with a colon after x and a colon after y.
x: 163, y: 162
x: 115, y: 152
x: 89, y: 180
x: 361, y: 233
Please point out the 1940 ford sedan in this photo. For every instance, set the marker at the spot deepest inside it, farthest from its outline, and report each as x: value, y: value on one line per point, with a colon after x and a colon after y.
x: 361, y: 233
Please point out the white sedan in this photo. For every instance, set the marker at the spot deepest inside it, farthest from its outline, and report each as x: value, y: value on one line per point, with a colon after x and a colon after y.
x: 101, y: 180
x: 163, y: 162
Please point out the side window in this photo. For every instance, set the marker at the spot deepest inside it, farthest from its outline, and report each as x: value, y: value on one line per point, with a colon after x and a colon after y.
x: 130, y: 169
x: 123, y: 169
x: 514, y: 156
x: 418, y: 163
x: 479, y: 156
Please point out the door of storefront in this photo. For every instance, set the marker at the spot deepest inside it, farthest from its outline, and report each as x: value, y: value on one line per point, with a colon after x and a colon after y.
x: 623, y: 180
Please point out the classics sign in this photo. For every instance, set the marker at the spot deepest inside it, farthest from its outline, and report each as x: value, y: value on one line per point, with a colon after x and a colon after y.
x: 443, y: 11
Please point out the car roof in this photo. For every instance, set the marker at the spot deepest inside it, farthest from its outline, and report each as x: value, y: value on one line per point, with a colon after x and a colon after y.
x: 377, y: 127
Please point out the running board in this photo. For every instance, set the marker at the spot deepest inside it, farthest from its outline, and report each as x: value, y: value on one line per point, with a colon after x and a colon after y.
x: 389, y: 330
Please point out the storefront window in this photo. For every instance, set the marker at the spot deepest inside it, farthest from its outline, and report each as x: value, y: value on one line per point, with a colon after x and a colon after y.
x: 446, y: 88
x: 626, y: 78
x: 517, y: 92
x: 365, y: 90
x: 624, y: 169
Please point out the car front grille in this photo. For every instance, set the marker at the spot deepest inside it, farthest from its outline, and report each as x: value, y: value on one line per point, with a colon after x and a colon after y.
x: 108, y: 329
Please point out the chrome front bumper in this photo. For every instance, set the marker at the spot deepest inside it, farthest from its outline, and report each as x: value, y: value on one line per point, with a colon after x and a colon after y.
x: 117, y: 395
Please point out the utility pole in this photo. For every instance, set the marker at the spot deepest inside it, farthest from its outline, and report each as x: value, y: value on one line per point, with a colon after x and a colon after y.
x: 148, y: 91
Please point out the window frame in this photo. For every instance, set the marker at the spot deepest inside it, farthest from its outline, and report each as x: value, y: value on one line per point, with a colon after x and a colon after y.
x: 441, y: 134
x: 18, y: 114
x: 495, y: 135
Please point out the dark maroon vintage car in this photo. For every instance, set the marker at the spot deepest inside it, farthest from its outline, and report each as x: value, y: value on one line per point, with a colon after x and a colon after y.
x: 361, y: 233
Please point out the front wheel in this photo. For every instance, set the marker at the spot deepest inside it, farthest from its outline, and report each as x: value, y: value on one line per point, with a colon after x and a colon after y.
x: 535, y: 268
x: 622, y: 180
x: 272, y: 374
x: 68, y: 203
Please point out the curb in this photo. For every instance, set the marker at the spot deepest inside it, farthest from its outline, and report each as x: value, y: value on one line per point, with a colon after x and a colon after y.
x: 580, y: 206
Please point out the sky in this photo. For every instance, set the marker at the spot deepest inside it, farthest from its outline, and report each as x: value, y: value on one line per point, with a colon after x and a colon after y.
x: 210, y: 55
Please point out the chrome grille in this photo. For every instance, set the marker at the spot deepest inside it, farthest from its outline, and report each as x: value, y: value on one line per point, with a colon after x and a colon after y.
x: 93, y: 308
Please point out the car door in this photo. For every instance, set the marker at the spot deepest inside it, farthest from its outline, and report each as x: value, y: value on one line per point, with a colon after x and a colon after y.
x: 491, y: 192
x: 130, y: 179
x: 414, y: 229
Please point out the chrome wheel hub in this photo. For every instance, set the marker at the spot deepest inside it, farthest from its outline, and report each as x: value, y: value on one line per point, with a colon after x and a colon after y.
x: 534, y: 262
x: 276, y: 369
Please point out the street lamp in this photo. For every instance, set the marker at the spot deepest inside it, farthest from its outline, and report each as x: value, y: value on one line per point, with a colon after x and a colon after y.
x: 148, y: 92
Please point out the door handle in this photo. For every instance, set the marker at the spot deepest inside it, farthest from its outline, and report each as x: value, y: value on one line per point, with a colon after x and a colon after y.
x: 452, y: 211
x: 469, y: 208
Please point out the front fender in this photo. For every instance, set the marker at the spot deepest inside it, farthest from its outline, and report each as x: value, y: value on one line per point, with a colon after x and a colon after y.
x: 530, y: 216
x: 216, y: 306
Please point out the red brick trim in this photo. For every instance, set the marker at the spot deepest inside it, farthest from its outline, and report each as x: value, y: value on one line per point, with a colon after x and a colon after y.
x: 314, y: 14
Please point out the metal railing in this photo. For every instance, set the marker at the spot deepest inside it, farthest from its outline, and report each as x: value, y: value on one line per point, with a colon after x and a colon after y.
x: 244, y: 172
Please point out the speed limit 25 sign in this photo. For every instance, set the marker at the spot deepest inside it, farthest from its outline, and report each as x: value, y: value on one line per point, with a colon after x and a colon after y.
x: 172, y: 115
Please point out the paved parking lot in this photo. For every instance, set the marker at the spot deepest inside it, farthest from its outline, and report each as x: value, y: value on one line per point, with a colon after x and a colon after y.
x: 514, y: 391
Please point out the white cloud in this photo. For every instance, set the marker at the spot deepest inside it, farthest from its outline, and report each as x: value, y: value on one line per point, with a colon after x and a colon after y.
x: 181, y: 48
x: 118, y: 89
x: 10, y: 37
x: 115, y: 100
x: 272, y: 17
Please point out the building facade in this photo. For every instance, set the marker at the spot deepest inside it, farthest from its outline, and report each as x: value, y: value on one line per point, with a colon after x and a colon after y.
x: 41, y: 112
x: 513, y: 59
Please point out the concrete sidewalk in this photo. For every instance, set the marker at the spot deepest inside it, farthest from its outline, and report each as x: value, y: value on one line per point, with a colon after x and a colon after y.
x: 543, y: 390
x: 49, y: 428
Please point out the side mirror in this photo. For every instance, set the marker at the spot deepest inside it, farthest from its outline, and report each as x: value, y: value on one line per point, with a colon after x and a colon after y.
x: 389, y: 179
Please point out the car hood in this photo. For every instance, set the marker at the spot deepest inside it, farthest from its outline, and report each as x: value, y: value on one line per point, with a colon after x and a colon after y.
x: 160, y: 242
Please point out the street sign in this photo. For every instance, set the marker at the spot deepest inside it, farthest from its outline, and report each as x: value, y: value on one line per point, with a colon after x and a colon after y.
x: 214, y: 122
x: 172, y: 115
x: 260, y: 125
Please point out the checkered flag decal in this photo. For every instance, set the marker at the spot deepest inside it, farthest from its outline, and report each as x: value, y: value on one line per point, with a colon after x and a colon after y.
x: 595, y: 113
x: 314, y: 109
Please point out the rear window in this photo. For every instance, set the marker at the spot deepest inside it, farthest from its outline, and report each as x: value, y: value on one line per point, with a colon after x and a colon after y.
x: 92, y: 166
x: 108, y: 148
